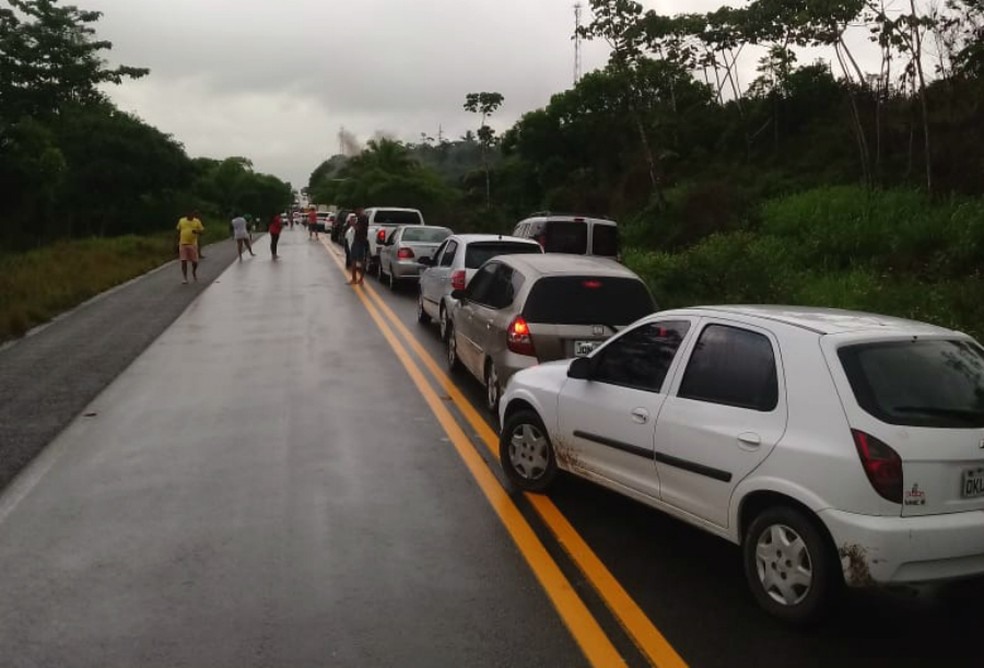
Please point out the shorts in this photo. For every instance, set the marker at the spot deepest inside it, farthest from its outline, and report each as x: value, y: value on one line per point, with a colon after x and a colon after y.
x: 359, y: 250
x: 239, y: 236
x: 188, y: 252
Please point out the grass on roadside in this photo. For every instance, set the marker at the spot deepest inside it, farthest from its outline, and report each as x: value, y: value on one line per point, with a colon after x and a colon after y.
x: 39, y: 284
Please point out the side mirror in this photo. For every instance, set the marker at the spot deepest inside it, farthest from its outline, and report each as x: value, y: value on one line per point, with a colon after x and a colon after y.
x: 460, y: 295
x: 426, y: 260
x: 580, y: 369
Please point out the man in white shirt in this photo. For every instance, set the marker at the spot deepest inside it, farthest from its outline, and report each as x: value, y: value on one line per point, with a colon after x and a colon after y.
x: 241, y: 235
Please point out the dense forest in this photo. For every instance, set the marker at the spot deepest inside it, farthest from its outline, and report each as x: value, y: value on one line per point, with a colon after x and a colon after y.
x: 72, y: 165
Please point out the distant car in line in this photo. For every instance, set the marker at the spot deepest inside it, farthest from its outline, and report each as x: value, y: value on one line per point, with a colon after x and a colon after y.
x: 339, y: 226
x: 382, y: 222
x: 399, y: 257
x: 571, y: 233
x: 523, y: 310
x: 454, y: 264
x: 832, y: 446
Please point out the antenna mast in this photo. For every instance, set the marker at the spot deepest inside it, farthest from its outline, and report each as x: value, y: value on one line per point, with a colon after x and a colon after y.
x: 577, y: 42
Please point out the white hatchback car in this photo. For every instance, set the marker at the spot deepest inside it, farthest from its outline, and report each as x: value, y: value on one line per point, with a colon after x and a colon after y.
x: 832, y: 446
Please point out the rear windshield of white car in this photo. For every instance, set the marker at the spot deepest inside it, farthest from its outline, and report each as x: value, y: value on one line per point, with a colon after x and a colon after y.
x: 565, y: 237
x: 932, y: 383
x: 478, y: 253
x: 427, y: 235
x: 588, y: 300
x: 388, y: 217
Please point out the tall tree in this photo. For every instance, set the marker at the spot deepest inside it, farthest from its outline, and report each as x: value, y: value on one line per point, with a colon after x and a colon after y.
x: 485, y: 104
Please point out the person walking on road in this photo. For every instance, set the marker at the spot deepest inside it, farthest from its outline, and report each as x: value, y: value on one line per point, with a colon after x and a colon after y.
x: 312, y: 226
x: 275, y: 228
x: 189, y: 229
x: 360, y: 247
x: 241, y: 234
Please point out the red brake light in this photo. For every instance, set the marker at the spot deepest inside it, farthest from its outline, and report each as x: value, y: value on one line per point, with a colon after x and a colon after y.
x: 458, y: 280
x: 404, y: 253
x: 381, y: 236
x: 882, y: 465
x: 591, y: 285
x: 518, y: 337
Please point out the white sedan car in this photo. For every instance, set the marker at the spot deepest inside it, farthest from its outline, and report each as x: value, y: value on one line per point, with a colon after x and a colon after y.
x: 835, y: 447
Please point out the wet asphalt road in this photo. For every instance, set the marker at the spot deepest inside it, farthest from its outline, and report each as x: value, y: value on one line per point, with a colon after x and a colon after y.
x: 262, y: 487
x: 265, y: 486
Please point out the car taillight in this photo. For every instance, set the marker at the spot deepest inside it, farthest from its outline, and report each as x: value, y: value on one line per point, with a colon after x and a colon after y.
x: 404, y: 253
x: 381, y: 236
x: 458, y: 280
x: 882, y: 465
x: 518, y: 337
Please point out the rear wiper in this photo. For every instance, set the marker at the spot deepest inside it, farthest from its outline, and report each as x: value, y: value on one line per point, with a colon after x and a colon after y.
x: 962, y: 414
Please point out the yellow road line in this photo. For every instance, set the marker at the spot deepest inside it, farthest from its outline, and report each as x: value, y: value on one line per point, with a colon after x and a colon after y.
x: 588, y: 634
x: 643, y: 632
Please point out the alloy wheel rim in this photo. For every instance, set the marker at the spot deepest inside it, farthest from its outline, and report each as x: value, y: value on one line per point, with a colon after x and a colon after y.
x: 529, y: 453
x: 492, y: 387
x: 452, y: 353
x: 784, y: 565
x: 444, y: 324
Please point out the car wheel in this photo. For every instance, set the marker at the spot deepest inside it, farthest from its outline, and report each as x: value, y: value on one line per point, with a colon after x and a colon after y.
x: 493, y: 392
x: 443, y: 321
x: 790, y: 565
x: 392, y: 280
x: 422, y: 316
x: 454, y: 364
x: 525, y: 452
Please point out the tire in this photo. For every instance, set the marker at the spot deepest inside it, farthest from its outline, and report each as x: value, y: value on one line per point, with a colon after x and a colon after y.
x: 526, y: 453
x: 454, y: 364
x: 422, y: 316
x: 393, y: 285
x: 443, y: 322
x: 493, y: 390
x: 790, y: 565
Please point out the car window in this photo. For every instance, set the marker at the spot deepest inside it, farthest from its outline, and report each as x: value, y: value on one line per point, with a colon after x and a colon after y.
x: 641, y: 357
x: 425, y: 234
x: 604, y: 240
x: 480, y: 252
x: 502, y: 290
x: 928, y: 383
x: 481, y: 283
x: 588, y: 300
x: 438, y: 253
x: 448, y: 258
x: 393, y: 217
x: 560, y: 236
x: 734, y: 367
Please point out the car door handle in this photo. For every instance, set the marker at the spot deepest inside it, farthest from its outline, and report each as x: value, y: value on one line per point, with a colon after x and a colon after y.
x: 749, y: 440
x: 640, y: 415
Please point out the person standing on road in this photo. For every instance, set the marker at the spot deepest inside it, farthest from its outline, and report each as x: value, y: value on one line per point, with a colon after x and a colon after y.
x: 360, y: 247
x: 347, y: 235
x: 241, y: 234
x: 312, y: 223
x: 189, y: 228
x: 275, y: 228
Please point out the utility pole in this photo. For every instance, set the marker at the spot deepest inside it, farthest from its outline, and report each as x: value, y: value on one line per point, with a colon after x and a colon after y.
x: 577, y: 42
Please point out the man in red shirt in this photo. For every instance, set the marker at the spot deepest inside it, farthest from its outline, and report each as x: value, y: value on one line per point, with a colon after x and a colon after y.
x: 275, y: 228
x: 313, y: 223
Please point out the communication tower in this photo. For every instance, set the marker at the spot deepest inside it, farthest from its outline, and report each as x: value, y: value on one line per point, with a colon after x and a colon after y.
x: 577, y: 42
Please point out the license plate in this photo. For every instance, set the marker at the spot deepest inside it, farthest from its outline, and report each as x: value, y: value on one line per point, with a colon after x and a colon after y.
x: 583, y: 348
x: 973, y: 483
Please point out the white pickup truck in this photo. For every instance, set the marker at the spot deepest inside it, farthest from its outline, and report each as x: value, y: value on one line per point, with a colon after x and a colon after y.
x: 382, y: 222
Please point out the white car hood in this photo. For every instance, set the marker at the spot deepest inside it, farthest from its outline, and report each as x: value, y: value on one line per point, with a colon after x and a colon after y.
x: 549, y: 376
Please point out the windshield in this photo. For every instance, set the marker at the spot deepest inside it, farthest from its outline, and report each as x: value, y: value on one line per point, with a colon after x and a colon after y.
x: 918, y: 383
x: 588, y: 300
x: 392, y: 217
x: 433, y: 235
x: 479, y: 253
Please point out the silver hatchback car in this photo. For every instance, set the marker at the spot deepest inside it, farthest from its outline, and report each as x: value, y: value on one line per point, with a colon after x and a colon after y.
x: 522, y: 310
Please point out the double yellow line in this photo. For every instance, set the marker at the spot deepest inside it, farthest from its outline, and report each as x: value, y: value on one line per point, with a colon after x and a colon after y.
x: 593, y: 641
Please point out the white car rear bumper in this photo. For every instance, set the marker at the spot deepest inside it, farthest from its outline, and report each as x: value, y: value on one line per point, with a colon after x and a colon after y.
x: 907, y: 550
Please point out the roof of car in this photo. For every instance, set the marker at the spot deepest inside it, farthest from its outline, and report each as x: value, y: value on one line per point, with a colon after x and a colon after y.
x: 547, y: 216
x: 822, y: 320
x: 475, y: 237
x: 555, y: 264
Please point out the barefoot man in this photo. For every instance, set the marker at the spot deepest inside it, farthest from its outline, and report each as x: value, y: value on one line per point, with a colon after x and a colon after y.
x: 189, y: 228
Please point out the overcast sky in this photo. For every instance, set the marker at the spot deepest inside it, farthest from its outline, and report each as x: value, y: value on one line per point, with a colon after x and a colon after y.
x: 275, y: 80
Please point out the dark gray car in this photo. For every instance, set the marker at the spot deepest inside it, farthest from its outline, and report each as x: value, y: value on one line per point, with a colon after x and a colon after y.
x: 521, y: 310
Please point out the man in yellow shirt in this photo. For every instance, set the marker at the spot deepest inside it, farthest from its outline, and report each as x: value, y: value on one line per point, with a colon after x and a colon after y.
x: 189, y: 228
